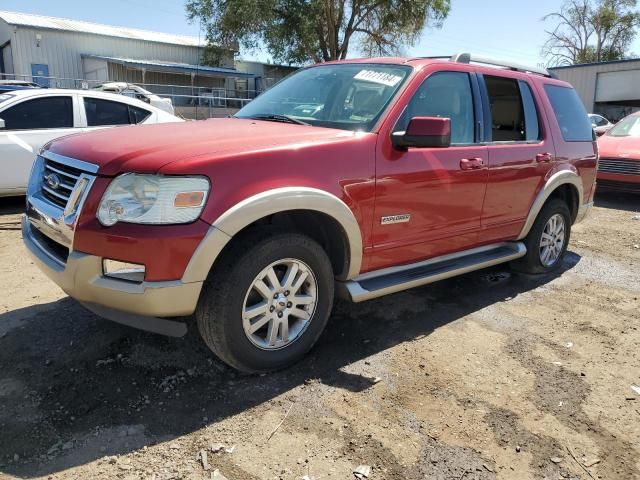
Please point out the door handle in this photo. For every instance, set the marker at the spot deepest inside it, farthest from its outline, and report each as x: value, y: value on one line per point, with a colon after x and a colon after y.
x: 544, y: 157
x: 471, y: 163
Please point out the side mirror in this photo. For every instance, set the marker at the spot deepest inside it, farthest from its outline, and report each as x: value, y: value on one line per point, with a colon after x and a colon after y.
x: 424, y: 132
x: 2, y: 125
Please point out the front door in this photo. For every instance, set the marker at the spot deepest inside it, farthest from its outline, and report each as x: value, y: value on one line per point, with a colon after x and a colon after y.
x: 429, y: 200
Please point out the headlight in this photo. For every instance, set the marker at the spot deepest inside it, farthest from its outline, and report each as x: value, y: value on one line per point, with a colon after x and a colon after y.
x: 153, y: 199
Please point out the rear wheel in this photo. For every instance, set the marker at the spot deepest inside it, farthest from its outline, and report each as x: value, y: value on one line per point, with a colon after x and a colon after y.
x: 548, y: 239
x: 267, y: 302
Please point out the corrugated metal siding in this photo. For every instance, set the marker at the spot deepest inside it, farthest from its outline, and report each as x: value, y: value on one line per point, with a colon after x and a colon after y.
x: 6, y: 33
x: 618, y: 86
x: 66, y: 24
x: 120, y: 73
x: 584, y: 78
x: 62, y: 51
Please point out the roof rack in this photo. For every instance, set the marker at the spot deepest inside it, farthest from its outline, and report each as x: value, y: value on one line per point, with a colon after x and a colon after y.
x: 468, y: 58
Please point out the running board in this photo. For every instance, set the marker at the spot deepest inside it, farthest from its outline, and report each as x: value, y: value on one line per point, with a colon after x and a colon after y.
x: 395, y: 279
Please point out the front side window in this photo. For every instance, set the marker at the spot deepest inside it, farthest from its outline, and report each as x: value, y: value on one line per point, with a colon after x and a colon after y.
x: 40, y: 113
x: 570, y: 113
x: 627, y: 127
x: 344, y: 96
x: 445, y: 95
x: 107, y: 113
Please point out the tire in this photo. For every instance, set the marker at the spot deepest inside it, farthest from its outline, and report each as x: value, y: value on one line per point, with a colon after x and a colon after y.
x: 535, y: 261
x: 232, y: 290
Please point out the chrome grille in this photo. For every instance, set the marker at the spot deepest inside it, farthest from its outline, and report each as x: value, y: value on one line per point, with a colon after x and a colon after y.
x: 58, y: 181
x: 619, y: 166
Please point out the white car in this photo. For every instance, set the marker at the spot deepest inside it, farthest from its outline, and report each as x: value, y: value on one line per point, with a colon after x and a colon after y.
x: 31, y: 118
x: 134, y: 91
x: 600, y: 124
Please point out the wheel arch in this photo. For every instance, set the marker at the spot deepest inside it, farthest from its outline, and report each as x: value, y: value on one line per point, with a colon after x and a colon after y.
x: 565, y: 184
x: 318, y: 213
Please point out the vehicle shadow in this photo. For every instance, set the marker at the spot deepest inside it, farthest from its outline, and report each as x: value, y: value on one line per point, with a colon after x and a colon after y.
x: 12, y: 205
x: 626, y: 201
x: 71, y: 381
x: 10, y: 209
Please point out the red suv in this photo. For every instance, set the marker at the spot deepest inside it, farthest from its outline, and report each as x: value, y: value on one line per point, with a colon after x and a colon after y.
x: 359, y: 178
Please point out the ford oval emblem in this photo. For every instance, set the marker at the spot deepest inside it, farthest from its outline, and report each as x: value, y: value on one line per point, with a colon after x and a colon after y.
x: 53, y: 181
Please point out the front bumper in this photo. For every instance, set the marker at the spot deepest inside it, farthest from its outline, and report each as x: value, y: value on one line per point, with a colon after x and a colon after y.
x: 81, y: 277
x: 54, y: 210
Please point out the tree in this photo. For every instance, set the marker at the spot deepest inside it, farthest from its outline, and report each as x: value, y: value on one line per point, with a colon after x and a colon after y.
x: 299, y: 31
x: 591, y: 31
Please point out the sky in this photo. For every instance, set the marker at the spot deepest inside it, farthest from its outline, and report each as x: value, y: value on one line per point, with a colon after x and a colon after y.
x: 504, y: 29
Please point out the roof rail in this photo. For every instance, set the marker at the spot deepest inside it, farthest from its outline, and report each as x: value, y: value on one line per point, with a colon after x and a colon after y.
x: 468, y: 58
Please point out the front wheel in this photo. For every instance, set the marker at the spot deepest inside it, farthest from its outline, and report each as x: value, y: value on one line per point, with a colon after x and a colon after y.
x: 267, y: 303
x: 548, y: 239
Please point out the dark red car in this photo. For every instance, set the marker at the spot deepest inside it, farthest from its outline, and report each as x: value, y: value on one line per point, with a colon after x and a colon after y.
x: 359, y: 178
x: 619, y: 166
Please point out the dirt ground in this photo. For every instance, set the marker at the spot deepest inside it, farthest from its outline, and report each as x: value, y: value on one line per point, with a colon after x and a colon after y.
x: 492, y: 375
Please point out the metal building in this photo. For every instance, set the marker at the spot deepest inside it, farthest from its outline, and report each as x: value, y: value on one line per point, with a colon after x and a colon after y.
x: 57, y: 52
x: 611, y: 89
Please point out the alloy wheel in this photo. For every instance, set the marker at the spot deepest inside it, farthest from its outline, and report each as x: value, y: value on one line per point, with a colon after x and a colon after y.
x: 279, y: 304
x: 552, y: 240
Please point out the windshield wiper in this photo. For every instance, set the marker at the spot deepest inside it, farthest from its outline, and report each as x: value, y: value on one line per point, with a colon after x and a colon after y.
x: 273, y: 117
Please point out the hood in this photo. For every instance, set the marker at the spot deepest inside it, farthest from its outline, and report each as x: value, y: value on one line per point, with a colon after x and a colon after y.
x: 147, y: 148
x: 619, y: 147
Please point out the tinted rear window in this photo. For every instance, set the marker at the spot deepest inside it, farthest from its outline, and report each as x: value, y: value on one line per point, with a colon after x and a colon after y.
x: 571, y: 114
x: 138, y: 114
x: 106, y: 112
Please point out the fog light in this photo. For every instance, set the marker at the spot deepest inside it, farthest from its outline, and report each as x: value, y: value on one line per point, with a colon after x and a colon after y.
x: 132, y: 272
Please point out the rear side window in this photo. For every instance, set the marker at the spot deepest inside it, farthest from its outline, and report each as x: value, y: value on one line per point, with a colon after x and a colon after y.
x: 40, y: 113
x: 514, y: 117
x: 106, y: 112
x: 531, y: 124
x: 571, y: 114
x: 138, y: 115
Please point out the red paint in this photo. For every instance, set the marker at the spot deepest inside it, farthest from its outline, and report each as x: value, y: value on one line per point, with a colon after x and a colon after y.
x: 165, y: 250
x: 623, y: 148
x: 452, y: 207
x: 429, y: 126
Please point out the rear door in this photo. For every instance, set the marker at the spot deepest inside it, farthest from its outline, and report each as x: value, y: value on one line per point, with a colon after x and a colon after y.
x: 520, y: 153
x: 29, y: 125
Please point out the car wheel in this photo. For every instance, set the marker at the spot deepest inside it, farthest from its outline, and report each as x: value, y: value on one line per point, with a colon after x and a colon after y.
x: 267, y: 303
x: 548, y: 239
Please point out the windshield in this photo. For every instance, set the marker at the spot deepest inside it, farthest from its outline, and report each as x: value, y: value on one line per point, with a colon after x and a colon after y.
x: 627, y: 127
x: 345, y: 96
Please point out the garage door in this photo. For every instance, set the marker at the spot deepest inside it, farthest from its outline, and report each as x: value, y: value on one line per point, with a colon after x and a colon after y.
x: 618, y: 86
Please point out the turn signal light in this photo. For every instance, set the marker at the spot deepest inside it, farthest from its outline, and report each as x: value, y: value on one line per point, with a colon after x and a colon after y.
x: 188, y: 199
